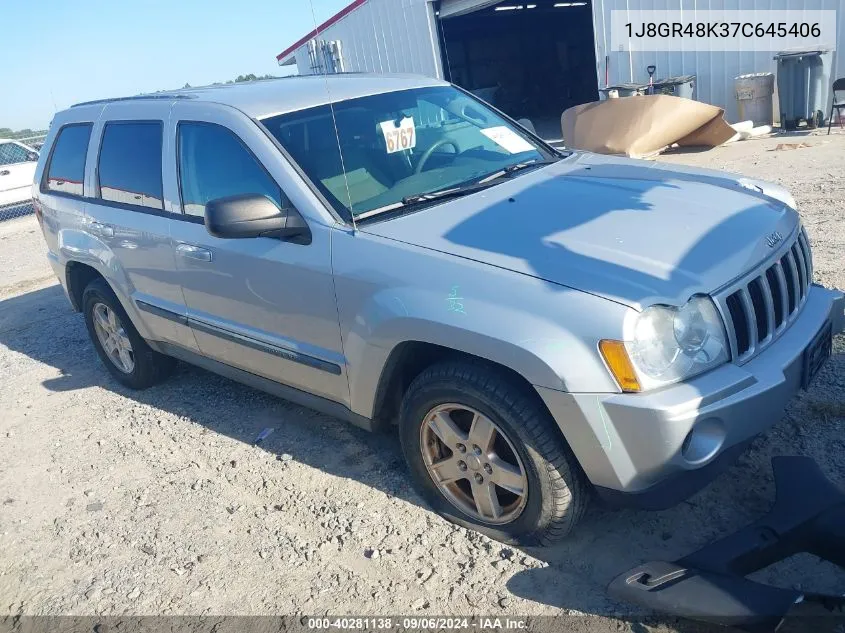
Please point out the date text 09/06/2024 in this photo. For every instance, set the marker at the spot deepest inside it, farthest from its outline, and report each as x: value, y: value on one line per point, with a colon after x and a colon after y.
x: 416, y: 623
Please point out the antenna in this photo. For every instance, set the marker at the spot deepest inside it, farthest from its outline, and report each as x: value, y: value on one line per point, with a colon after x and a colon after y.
x: 321, y: 70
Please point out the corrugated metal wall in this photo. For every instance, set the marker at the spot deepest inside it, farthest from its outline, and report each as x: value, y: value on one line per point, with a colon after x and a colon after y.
x: 715, y: 69
x: 384, y: 36
x: 401, y: 36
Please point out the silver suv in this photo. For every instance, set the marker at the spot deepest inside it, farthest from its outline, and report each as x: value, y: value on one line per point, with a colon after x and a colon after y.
x: 541, y: 325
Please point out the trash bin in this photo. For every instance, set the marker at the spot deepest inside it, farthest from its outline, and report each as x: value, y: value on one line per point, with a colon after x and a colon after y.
x: 681, y: 86
x: 627, y: 90
x: 802, y: 79
x: 754, y: 94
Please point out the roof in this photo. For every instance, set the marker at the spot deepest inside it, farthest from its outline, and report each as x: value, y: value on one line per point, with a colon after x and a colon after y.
x: 268, y: 97
x: 332, y: 20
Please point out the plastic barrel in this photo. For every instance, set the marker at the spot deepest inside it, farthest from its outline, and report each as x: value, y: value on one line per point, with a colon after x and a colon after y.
x: 802, y: 79
x: 626, y: 90
x: 754, y: 94
x: 682, y: 86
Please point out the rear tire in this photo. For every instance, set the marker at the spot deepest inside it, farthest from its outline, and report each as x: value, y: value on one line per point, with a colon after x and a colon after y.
x: 128, y: 358
x: 527, y: 453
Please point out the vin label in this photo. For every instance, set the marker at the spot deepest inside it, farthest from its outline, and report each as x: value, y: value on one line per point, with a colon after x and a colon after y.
x: 722, y: 30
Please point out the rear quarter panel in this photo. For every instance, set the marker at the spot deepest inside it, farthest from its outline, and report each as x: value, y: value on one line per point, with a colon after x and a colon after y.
x: 64, y: 217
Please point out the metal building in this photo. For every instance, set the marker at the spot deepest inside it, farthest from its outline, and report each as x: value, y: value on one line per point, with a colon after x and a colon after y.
x: 531, y: 58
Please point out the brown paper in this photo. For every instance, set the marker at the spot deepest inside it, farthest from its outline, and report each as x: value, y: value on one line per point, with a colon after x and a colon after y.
x: 644, y: 125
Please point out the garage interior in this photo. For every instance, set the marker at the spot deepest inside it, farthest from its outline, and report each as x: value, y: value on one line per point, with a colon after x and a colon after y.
x: 529, y: 59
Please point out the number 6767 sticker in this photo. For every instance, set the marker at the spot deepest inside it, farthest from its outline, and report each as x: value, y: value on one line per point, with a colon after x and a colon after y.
x: 401, y: 137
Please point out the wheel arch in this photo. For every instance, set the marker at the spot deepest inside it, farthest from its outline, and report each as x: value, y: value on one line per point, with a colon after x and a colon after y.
x: 77, y: 278
x: 409, y: 359
x: 78, y: 275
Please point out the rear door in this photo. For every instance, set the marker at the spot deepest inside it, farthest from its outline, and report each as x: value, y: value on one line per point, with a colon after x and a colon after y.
x: 263, y: 305
x: 17, y: 170
x: 130, y: 216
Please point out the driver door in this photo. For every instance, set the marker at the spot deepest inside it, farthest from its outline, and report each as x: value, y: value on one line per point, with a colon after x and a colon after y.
x: 263, y: 305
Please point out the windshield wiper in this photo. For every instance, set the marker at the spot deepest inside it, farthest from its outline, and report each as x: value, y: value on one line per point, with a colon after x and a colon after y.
x: 512, y: 169
x: 452, y: 192
x: 422, y: 198
x: 475, y: 186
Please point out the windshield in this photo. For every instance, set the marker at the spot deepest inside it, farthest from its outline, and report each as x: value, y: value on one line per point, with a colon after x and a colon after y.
x: 401, y: 145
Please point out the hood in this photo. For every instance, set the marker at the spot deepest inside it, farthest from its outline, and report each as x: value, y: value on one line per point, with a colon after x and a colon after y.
x: 635, y: 232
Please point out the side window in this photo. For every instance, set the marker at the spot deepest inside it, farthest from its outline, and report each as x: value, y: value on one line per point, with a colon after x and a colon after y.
x: 129, y: 167
x: 67, y: 163
x: 11, y: 154
x: 214, y: 163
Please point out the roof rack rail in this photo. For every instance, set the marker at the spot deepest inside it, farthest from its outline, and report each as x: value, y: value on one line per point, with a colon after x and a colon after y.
x: 165, y: 95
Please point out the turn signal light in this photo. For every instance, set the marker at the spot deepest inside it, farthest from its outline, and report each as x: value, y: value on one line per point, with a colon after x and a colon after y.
x: 616, y: 357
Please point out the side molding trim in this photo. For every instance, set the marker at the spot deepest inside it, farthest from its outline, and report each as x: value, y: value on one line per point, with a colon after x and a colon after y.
x: 149, y: 308
x: 261, y: 346
x: 323, y: 405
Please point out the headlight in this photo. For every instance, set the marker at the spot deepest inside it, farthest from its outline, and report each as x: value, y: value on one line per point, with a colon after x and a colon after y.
x: 668, y: 344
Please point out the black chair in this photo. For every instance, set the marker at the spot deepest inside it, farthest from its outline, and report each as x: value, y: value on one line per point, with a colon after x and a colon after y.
x: 838, y: 103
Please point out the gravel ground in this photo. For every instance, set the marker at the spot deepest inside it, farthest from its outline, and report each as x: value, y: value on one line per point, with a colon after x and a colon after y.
x: 158, y: 502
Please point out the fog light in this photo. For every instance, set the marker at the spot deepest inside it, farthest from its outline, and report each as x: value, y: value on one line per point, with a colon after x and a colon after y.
x: 703, y: 441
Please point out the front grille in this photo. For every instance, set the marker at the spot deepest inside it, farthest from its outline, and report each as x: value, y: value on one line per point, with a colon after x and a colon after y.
x: 761, y: 307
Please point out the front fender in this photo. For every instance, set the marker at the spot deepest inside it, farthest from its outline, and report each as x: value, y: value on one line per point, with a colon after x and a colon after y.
x: 545, y: 332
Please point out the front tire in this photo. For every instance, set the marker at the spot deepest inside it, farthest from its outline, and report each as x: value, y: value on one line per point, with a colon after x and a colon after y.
x: 123, y: 351
x: 485, y: 453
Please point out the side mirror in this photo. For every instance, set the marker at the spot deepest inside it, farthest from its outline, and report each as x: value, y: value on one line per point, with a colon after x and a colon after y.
x: 32, y: 156
x: 253, y: 215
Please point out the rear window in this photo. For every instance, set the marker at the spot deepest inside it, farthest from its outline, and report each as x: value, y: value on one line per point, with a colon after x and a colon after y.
x: 129, y: 168
x: 67, y: 163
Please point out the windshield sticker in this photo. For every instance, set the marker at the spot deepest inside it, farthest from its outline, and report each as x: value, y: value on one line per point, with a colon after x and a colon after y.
x: 508, y: 139
x: 399, y: 137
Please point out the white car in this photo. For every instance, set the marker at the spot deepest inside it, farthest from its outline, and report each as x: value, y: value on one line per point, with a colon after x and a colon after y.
x: 17, y: 171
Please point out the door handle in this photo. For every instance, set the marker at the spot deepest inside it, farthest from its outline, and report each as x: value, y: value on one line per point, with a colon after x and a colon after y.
x: 103, y: 230
x: 5, y: 172
x: 193, y: 252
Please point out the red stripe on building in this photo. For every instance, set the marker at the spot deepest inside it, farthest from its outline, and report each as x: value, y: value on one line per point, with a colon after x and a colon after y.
x: 332, y: 20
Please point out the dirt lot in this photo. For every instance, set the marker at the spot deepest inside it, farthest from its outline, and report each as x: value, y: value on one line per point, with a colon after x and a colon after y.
x: 158, y: 503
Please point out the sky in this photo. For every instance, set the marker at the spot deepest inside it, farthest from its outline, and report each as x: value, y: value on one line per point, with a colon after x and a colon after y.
x: 59, y: 52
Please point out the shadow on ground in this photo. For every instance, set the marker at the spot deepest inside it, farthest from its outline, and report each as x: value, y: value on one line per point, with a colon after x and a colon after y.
x: 41, y: 326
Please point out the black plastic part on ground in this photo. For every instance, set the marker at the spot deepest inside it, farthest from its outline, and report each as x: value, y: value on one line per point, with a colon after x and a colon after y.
x: 711, y: 585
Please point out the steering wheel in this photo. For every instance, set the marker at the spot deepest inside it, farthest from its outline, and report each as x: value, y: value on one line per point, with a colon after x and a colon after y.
x: 437, y: 145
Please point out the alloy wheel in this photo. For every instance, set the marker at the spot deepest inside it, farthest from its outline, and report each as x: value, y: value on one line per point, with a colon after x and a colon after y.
x: 473, y: 463
x: 113, y: 338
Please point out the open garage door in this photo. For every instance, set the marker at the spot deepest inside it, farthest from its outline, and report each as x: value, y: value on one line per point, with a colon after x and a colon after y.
x: 531, y: 60
x: 453, y: 8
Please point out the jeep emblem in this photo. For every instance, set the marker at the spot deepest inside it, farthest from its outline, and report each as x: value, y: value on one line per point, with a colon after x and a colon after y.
x: 774, y: 239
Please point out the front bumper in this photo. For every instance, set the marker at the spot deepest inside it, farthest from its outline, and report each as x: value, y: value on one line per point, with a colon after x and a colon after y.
x: 654, y: 449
